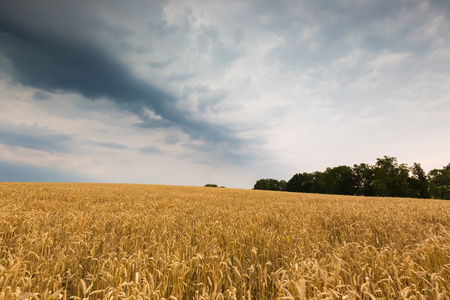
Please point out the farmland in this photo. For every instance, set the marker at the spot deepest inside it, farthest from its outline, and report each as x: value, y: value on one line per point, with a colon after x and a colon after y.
x: 117, y: 241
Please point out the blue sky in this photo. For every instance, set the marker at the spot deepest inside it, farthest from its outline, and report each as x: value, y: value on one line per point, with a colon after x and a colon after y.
x: 226, y: 92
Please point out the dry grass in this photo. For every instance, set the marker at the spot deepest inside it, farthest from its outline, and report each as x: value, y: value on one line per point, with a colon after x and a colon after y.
x: 108, y: 241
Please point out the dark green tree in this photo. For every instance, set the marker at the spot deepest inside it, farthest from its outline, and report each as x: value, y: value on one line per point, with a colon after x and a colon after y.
x: 316, y: 182
x: 270, y: 184
x: 364, y: 175
x: 439, y: 180
x: 282, y: 184
x: 300, y: 182
x: 418, y: 182
x: 386, y: 178
x: 338, y: 180
x: 211, y: 185
x: 390, y: 178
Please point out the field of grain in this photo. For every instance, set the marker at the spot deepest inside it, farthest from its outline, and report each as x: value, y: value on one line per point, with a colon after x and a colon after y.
x: 111, y: 241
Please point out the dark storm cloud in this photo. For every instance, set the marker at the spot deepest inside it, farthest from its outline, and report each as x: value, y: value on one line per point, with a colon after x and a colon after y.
x: 120, y: 33
x: 56, y: 60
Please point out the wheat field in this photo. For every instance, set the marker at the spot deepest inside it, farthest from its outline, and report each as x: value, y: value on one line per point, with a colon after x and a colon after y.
x: 117, y: 241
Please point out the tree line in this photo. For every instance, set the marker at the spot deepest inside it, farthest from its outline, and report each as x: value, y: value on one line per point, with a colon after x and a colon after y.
x: 387, y: 178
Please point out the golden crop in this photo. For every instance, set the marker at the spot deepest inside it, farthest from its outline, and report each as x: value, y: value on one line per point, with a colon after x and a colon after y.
x: 113, y: 241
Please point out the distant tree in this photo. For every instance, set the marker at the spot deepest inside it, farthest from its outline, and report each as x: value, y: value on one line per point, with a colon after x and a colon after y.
x: 261, y: 184
x: 418, y: 182
x: 338, y: 180
x: 270, y: 184
x: 316, y: 182
x: 386, y: 178
x: 439, y: 180
x: 390, y: 178
x: 211, y: 185
x: 300, y: 182
x: 364, y: 175
x: 282, y: 184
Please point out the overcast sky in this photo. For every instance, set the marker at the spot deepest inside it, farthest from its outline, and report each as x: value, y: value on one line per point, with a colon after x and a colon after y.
x: 225, y: 92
